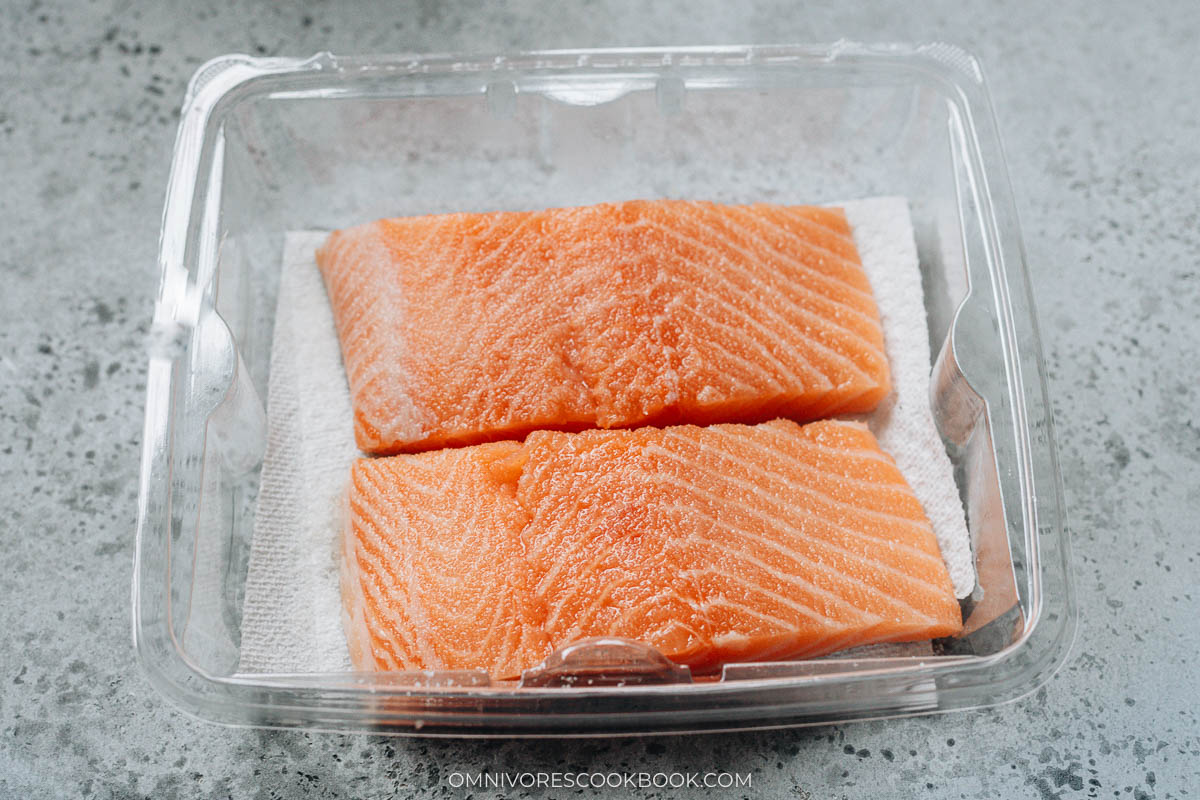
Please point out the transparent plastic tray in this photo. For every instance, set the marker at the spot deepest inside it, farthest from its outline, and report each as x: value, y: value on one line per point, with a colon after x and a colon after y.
x: 268, y: 145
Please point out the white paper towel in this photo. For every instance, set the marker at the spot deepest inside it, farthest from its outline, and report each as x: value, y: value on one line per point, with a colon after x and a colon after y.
x: 292, y: 613
x: 903, y: 423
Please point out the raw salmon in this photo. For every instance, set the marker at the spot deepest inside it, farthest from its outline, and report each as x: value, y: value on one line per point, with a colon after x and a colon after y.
x: 712, y: 544
x: 465, y: 328
x: 433, y: 573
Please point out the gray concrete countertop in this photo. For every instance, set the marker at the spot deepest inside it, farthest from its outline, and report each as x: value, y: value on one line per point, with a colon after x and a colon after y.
x: 1101, y: 115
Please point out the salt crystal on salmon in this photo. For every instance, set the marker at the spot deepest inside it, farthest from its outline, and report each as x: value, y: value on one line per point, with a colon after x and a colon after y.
x: 463, y: 328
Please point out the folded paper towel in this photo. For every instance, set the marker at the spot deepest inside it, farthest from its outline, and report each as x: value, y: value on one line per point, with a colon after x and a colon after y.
x: 291, y: 619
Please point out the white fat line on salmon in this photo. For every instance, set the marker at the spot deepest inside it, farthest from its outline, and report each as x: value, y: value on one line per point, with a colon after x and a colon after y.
x: 782, y: 286
x: 722, y: 501
x: 760, y: 492
x: 805, y: 268
x: 783, y: 478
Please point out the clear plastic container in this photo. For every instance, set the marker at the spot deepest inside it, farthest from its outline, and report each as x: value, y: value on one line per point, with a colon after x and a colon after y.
x: 270, y: 145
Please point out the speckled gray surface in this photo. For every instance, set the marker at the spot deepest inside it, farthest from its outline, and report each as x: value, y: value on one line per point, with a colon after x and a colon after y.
x: 1100, y: 113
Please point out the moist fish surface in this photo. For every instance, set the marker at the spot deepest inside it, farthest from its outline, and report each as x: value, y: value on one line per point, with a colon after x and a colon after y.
x: 712, y: 544
x: 464, y: 328
x: 432, y: 574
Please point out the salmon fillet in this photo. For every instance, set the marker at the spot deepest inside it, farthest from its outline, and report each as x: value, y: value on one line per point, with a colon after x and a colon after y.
x: 712, y: 544
x: 465, y: 328
x: 430, y: 573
